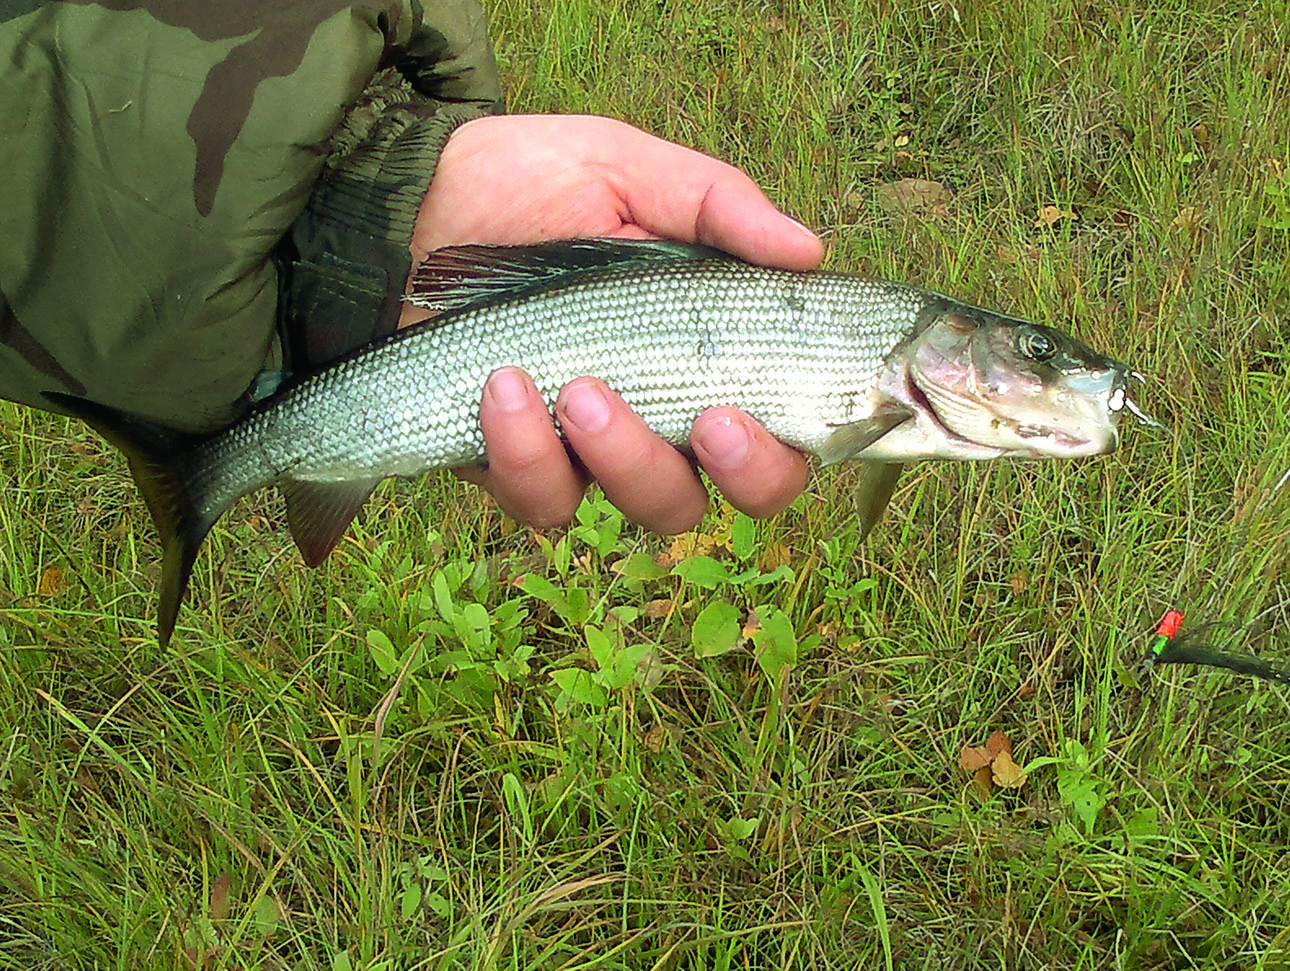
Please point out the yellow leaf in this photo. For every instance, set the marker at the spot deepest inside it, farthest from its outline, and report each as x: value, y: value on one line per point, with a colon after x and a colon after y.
x: 690, y: 544
x: 1189, y: 218
x: 1007, y: 774
x: 1051, y: 214
x: 773, y: 556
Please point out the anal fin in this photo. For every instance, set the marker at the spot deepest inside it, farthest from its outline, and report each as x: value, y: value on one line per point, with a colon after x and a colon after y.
x: 874, y: 486
x: 318, y: 513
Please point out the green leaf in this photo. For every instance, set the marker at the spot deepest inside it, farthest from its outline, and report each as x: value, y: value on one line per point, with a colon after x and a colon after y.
x: 381, y: 649
x: 741, y: 829
x: 410, y: 902
x: 576, y: 686
x: 639, y: 566
x: 776, y: 642
x: 601, y: 645
x: 543, y: 589
x: 1142, y: 825
x: 716, y: 630
x: 577, y: 606
x: 472, y: 626
x: 266, y: 915
x: 517, y: 804
x: 608, y: 532
x: 563, y: 556
x: 702, y: 571
x: 622, y: 614
x: 874, y: 892
x: 508, y: 615
x: 621, y: 671
x: 743, y: 536
x: 1081, y: 794
x: 442, y: 596
x: 783, y: 572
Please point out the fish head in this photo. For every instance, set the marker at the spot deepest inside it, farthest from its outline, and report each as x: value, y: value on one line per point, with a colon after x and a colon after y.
x: 983, y: 385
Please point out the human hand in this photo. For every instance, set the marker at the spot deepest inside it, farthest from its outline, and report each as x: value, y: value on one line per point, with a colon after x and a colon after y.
x: 520, y: 179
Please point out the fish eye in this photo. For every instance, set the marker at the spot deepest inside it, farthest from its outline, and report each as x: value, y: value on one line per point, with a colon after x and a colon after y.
x: 1035, y: 344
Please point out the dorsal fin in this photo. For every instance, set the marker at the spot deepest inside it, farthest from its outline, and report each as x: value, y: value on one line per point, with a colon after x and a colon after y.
x: 460, y: 276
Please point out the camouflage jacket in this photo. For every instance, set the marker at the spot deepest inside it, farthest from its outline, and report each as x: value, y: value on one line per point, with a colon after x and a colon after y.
x: 180, y: 176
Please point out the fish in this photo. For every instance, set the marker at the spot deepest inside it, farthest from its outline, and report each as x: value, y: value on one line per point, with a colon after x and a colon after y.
x: 837, y: 365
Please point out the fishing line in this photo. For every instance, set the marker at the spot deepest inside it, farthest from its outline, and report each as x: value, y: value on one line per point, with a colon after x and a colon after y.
x: 1169, y: 644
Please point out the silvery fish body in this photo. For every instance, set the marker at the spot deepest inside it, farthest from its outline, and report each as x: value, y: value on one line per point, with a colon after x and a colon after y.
x: 802, y: 353
x: 840, y: 366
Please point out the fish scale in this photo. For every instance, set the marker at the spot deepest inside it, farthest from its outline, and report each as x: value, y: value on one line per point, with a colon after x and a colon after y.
x: 837, y: 365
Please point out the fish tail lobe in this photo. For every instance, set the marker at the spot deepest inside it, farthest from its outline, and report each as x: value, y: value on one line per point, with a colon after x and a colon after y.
x: 157, y: 459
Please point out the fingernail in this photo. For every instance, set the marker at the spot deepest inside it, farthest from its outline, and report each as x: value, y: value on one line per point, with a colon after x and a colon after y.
x: 724, y: 441
x: 584, y: 405
x: 805, y: 229
x: 508, y: 388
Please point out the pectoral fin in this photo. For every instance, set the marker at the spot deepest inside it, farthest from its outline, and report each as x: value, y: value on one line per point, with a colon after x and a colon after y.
x: 318, y: 513
x: 874, y: 486
x: 849, y: 440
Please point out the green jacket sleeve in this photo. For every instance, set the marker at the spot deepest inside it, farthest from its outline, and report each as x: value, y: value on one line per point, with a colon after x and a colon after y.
x: 160, y: 156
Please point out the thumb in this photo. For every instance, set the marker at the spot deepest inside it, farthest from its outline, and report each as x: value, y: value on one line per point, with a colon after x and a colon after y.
x: 677, y: 193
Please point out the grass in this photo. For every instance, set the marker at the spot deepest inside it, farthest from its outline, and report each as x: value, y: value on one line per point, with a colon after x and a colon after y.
x: 460, y: 745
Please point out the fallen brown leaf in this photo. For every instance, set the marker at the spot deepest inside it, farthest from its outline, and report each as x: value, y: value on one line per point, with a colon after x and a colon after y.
x: 975, y: 757
x: 992, y: 764
x: 657, y: 737
x: 773, y: 556
x: 220, y: 901
x: 998, y: 742
x: 981, y: 778
x: 51, y: 583
x: 657, y: 609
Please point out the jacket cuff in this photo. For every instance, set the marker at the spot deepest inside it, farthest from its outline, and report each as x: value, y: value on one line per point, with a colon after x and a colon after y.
x: 343, y: 265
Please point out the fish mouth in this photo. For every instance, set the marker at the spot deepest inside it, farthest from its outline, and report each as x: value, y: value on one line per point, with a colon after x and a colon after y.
x: 1020, y: 437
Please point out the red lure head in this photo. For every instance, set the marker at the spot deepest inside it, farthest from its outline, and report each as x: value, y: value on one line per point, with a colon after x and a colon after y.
x: 1169, y: 623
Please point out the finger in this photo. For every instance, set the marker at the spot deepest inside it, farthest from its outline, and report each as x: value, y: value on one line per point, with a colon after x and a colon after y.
x: 755, y: 472
x: 650, y: 481
x: 677, y: 193
x: 529, y: 472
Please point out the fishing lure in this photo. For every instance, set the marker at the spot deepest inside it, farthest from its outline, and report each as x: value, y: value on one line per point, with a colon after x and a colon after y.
x: 1167, y: 646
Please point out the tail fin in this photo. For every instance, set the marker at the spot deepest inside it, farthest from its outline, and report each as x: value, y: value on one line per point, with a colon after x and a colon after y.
x: 156, y: 457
